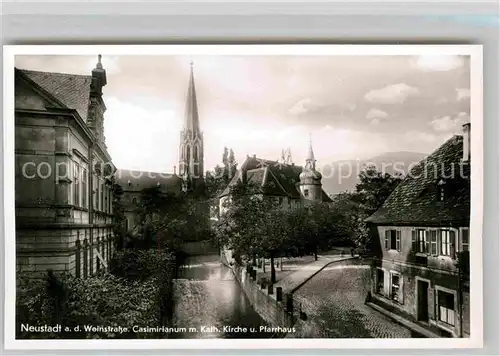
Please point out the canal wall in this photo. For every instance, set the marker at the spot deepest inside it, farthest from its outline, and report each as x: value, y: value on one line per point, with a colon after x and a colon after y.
x: 270, y: 310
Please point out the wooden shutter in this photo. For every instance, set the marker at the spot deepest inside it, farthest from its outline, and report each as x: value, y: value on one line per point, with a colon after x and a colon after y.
x: 400, y: 292
x: 414, y: 240
x: 453, y: 243
x: 387, y: 238
x: 431, y: 303
x: 427, y: 241
x: 398, y: 240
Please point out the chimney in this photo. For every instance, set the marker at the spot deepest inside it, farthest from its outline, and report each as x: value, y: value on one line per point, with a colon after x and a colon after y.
x: 466, y: 142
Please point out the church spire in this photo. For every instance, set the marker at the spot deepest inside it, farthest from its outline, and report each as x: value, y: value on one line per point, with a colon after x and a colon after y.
x: 191, y: 140
x: 191, y: 120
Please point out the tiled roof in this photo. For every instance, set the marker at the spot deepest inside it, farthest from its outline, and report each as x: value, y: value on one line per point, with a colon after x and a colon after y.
x: 415, y: 199
x: 272, y: 177
x: 70, y: 89
x: 140, y: 180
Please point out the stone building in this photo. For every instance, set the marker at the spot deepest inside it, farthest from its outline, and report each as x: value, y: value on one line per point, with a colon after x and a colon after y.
x: 294, y: 186
x: 422, y: 228
x: 62, y: 186
x: 190, y: 177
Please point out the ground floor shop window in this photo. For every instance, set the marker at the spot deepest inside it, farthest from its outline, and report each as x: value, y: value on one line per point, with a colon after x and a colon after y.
x: 446, y: 305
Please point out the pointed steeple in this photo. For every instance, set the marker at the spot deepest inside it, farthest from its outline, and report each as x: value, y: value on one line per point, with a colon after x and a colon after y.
x: 191, y: 140
x: 310, y: 160
x: 191, y: 120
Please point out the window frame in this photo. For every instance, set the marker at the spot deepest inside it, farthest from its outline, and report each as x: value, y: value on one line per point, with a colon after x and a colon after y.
x: 447, y: 311
x: 445, y: 244
x: 76, y: 184
x: 462, y: 230
x: 394, y: 295
x: 380, y: 282
x: 422, y: 241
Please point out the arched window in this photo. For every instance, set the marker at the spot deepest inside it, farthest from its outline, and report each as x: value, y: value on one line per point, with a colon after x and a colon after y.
x: 195, y: 153
x: 134, y: 200
x: 188, y: 153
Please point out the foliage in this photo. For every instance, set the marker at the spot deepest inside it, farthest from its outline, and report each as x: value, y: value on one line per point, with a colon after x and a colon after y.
x: 168, y: 220
x: 374, y: 188
x: 104, y: 300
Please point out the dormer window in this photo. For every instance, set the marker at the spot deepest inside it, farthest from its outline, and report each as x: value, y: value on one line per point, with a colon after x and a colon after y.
x: 441, y: 190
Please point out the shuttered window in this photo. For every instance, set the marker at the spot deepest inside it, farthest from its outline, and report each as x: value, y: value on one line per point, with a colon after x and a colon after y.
x: 433, y: 242
x: 447, y: 243
x: 446, y: 307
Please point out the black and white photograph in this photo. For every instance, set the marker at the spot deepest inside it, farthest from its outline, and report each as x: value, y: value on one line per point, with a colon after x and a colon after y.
x: 280, y: 193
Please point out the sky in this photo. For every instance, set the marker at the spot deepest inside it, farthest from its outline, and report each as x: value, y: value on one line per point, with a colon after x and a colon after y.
x: 352, y: 107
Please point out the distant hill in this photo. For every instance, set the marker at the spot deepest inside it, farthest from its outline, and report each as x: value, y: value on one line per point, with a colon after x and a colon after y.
x: 343, y: 175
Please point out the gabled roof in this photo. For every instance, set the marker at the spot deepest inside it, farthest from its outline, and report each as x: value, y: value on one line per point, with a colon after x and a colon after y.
x: 71, y: 90
x: 415, y: 199
x: 272, y: 177
x: 140, y: 180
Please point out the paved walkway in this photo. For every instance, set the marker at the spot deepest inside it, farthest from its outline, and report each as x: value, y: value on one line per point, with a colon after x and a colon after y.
x: 334, y: 303
x: 295, y: 280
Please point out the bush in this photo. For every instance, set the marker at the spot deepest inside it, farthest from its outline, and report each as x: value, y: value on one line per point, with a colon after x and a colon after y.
x: 140, y: 292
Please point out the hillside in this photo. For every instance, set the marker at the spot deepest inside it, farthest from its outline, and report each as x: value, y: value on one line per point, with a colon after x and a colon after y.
x: 343, y: 175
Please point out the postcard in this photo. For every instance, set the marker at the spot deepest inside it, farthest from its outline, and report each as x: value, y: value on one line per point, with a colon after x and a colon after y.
x: 243, y: 196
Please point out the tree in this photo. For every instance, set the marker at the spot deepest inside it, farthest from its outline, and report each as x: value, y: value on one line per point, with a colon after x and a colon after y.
x: 168, y: 220
x: 374, y: 188
x: 232, y: 165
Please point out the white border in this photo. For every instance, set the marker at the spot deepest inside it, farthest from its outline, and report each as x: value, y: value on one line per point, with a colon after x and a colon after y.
x: 476, y: 278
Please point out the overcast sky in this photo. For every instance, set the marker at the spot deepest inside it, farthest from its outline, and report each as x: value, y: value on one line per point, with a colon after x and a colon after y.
x: 353, y: 106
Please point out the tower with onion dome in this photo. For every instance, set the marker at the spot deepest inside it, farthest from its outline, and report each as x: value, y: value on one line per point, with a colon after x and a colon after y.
x: 310, y: 179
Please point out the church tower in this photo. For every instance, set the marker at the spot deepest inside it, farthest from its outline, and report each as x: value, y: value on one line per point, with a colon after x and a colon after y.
x: 191, y: 142
x: 310, y: 179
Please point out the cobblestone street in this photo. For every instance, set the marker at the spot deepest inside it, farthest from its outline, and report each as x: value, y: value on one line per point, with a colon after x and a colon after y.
x: 334, y: 301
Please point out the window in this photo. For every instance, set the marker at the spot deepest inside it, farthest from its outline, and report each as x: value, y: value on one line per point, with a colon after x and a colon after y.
x: 380, y: 281
x: 76, y: 184
x: 446, y: 305
x: 447, y: 242
x: 105, y: 208
x: 422, y: 241
x: 84, y: 188
x: 134, y: 200
x: 306, y: 192
x: 195, y: 170
x: 393, y: 240
x: 96, y: 192
x: 441, y: 190
x: 465, y: 239
x: 195, y: 153
x: 101, y: 188
x: 395, y: 287
x: 434, y: 245
x: 188, y: 154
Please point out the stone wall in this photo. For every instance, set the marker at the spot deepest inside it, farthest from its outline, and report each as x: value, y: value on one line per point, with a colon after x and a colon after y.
x: 407, y: 305
x: 271, y: 311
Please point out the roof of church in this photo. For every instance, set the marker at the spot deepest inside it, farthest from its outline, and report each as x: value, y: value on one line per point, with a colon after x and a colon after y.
x: 415, y: 199
x: 71, y: 90
x: 191, y: 119
x: 272, y: 177
x: 140, y: 180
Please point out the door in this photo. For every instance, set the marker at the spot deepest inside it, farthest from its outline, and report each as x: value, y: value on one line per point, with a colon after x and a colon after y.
x: 423, y: 301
